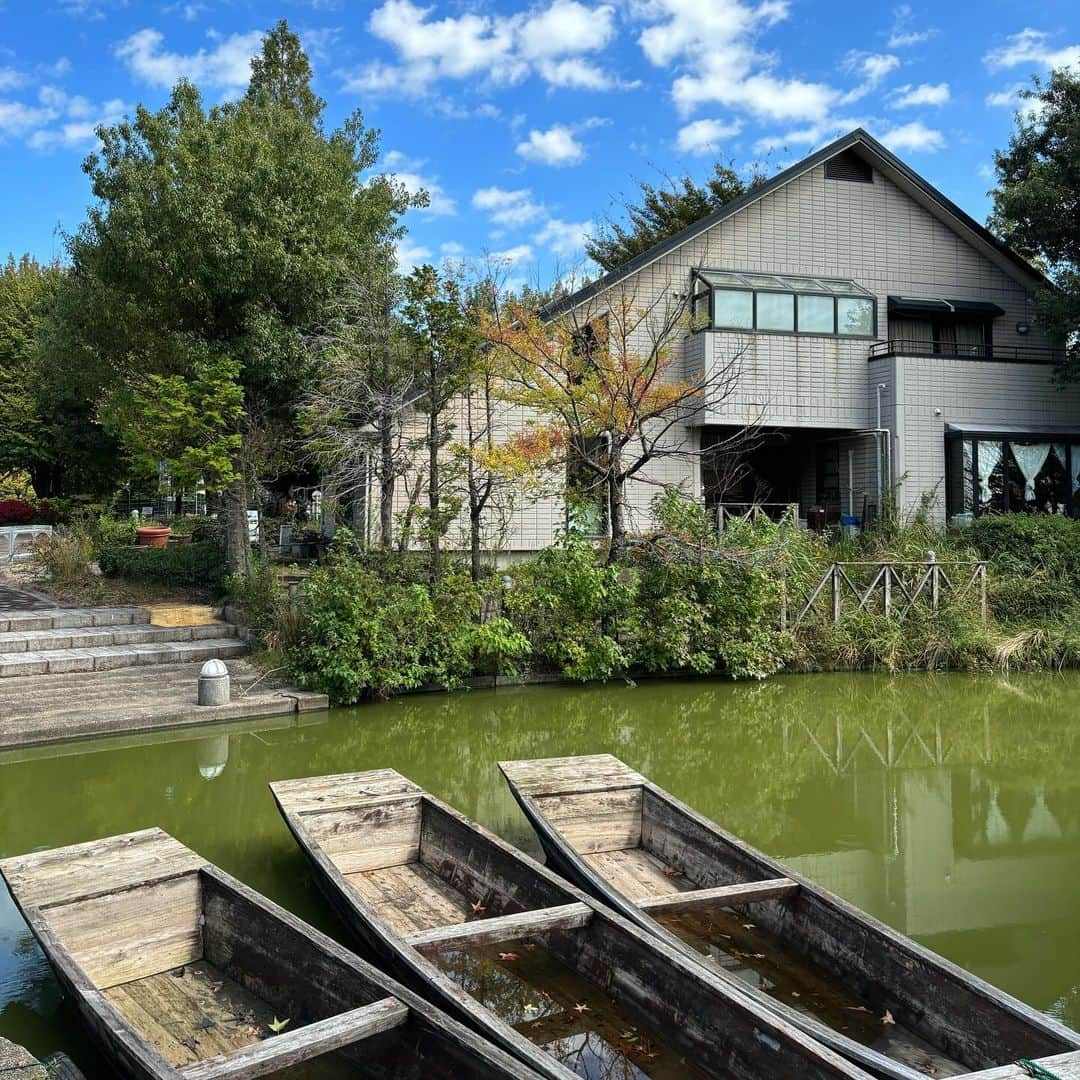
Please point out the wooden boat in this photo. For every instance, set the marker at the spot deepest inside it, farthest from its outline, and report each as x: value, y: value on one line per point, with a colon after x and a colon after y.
x: 183, y: 973
x: 530, y: 962
x: 827, y: 965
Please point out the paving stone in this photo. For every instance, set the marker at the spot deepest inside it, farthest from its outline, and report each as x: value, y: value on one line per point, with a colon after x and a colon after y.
x: 24, y: 663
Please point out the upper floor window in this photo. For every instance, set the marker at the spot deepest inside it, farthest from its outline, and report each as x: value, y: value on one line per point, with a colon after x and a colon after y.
x: 781, y: 303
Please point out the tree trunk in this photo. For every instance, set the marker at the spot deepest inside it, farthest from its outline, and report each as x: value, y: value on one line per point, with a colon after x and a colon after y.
x: 237, y: 544
x: 46, y: 479
x: 434, y: 522
x: 386, y: 484
x: 616, y: 505
x: 474, y: 540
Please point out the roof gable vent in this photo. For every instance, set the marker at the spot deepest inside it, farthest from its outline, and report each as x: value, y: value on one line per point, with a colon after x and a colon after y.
x: 847, y: 165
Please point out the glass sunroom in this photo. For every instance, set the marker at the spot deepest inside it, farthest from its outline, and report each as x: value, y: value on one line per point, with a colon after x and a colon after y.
x: 997, y: 472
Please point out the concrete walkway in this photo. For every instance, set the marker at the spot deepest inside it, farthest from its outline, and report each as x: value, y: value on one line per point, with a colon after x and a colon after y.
x: 70, y: 673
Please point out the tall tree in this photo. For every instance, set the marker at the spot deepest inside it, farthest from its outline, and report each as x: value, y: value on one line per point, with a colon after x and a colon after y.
x: 221, y: 235
x: 607, y: 382
x: 445, y: 344
x: 1037, y: 202
x: 660, y: 212
x: 47, y: 392
x: 355, y: 412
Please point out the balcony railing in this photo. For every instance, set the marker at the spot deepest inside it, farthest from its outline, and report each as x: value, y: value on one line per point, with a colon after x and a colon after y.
x: 1015, y: 354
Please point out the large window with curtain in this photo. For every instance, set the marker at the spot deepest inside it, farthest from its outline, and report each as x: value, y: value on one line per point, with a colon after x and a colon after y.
x: 1019, y: 474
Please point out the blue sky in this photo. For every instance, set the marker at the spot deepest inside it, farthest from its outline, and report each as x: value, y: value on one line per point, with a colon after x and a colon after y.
x: 528, y: 123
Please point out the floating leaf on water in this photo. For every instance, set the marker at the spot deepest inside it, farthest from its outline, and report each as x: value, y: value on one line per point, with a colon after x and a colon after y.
x: 628, y: 1035
x: 478, y: 908
x: 581, y: 1007
x: 530, y: 946
x: 888, y: 1018
x: 277, y: 1026
x: 857, y: 1008
x: 795, y: 993
x: 530, y: 1007
x: 508, y: 956
x: 748, y: 925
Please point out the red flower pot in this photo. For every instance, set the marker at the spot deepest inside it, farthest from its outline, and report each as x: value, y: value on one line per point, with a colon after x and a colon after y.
x: 154, y: 536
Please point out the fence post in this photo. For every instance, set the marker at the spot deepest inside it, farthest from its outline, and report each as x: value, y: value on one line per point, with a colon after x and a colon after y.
x: 835, y: 593
x: 982, y: 591
x: 887, y: 582
x: 935, y: 581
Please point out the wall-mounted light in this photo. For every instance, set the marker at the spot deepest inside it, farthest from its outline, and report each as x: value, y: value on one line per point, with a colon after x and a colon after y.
x: 1023, y: 328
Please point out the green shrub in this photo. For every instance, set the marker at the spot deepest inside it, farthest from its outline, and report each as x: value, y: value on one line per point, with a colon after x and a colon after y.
x: 191, y: 565
x: 363, y: 634
x: 64, y: 558
x: 573, y: 610
x: 1024, y: 543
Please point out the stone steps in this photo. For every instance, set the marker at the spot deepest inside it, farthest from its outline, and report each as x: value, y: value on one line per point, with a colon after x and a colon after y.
x: 92, y: 637
x: 108, y: 657
x: 71, y: 618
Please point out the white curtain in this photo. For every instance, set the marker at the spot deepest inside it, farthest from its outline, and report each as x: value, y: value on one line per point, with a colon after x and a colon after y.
x: 989, y: 456
x: 1030, y: 457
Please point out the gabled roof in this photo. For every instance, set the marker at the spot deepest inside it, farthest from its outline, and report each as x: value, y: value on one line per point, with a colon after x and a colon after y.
x: 866, y: 146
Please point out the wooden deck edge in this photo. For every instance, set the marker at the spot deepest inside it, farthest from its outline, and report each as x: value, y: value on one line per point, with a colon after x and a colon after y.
x: 744, y: 893
x: 504, y: 927
x: 303, y: 1044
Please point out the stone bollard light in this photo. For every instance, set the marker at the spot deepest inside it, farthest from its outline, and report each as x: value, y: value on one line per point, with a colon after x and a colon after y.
x: 214, y: 683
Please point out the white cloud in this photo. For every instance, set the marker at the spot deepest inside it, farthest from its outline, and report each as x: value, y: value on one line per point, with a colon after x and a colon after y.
x: 924, y: 94
x: 79, y: 130
x: 10, y: 78
x: 409, y: 255
x: 226, y: 65
x: 986, y: 171
x: 407, y: 172
x: 512, y: 256
x: 1031, y: 48
x: 703, y: 136
x: 872, y: 68
x: 452, y: 249
x: 57, y: 119
x: 914, y: 137
x: 509, y: 208
x: 809, y: 136
x: 565, y: 237
x: 716, y: 45
x: 903, y: 34
x: 17, y: 118
x: 557, y: 146
x: 549, y: 42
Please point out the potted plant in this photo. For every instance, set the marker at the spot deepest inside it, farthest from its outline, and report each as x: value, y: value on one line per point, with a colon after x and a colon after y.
x: 153, y: 536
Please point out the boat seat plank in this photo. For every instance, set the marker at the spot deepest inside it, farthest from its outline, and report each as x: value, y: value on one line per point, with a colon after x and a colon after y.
x: 565, y: 775
x: 346, y: 790
x: 409, y: 897
x: 294, y: 1047
x: 727, y: 895
x: 593, y: 821
x: 505, y: 927
x: 636, y: 873
x: 81, y: 871
x: 185, y: 1019
x: 369, y: 837
x: 122, y: 936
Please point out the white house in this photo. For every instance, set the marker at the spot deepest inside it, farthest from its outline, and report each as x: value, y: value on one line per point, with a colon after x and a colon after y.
x: 885, y: 343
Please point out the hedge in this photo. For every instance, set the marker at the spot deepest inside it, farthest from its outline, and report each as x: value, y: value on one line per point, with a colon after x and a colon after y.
x: 196, y: 564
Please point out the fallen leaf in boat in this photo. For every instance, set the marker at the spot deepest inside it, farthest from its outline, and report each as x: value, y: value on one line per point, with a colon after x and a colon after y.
x: 530, y: 1008
x: 756, y: 955
x: 670, y: 871
x: 205, y: 1025
x: 190, y: 1043
x: 856, y: 1008
x: 508, y: 956
x: 530, y: 946
x: 277, y: 1026
x: 748, y: 926
x: 581, y: 1007
x: 178, y: 973
x: 215, y: 987
x: 478, y: 908
x: 795, y: 993
x: 631, y: 1034
x: 888, y: 1018
x: 544, y: 993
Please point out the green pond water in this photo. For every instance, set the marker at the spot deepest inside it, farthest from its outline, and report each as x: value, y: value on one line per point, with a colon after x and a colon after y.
x: 948, y: 806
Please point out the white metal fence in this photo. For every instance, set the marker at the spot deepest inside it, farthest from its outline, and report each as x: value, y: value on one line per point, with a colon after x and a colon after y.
x: 17, y: 541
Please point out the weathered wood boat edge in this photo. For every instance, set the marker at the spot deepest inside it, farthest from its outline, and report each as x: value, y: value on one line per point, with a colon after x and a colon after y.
x: 356, y: 915
x: 133, y: 1057
x: 568, y: 861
